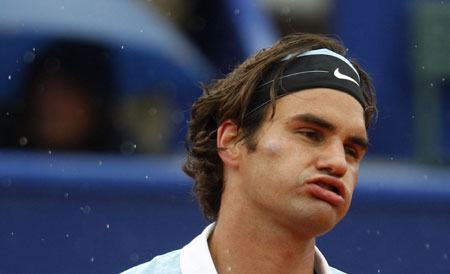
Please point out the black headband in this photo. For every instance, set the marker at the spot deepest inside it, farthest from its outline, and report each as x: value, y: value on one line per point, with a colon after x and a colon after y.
x: 321, y: 68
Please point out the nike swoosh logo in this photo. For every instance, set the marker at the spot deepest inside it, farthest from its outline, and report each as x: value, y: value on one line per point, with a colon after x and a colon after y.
x: 343, y: 76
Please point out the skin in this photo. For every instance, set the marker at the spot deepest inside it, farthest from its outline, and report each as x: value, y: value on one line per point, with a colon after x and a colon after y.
x: 270, y: 211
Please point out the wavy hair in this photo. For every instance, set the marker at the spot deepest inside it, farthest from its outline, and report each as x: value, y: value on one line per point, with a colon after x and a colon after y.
x: 228, y: 99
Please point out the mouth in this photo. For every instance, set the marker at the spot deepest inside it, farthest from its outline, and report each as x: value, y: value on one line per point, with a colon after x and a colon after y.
x: 328, y: 189
x: 327, y: 186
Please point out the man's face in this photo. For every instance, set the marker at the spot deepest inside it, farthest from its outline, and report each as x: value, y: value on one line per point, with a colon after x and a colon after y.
x: 305, y: 166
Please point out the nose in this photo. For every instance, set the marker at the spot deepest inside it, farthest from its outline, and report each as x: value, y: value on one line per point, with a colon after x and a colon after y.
x: 333, y: 159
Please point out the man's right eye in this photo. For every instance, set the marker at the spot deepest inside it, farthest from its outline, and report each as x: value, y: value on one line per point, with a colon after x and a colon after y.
x: 310, y: 134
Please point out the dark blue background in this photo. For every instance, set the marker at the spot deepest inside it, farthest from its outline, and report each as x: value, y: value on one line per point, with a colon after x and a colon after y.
x: 103, y: 214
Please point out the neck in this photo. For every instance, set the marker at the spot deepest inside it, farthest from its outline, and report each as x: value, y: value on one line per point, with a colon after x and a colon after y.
x: 252, y: 244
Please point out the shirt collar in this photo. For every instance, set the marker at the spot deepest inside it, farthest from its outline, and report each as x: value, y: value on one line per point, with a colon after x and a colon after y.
x: 320, y: 264
x: 195, y: 257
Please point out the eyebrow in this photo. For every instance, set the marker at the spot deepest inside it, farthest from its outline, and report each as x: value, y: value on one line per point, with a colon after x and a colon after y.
x: 361, y: 142
x: 319, y: 122
x: 313, y: 119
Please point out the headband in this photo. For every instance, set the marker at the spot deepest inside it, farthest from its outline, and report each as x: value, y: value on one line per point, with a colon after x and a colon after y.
x: 321, y: 68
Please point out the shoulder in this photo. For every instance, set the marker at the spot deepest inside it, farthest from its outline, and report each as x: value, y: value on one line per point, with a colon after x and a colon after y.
x: 335, y: 271
x: 168, y: 263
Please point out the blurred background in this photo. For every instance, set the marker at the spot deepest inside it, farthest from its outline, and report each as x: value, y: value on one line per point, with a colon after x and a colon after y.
x: 94, y: 99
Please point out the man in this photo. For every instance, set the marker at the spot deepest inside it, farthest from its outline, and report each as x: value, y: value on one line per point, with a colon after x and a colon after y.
x: 274, y: 150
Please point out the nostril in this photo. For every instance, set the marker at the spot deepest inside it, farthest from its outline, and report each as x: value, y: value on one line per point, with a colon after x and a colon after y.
x: 336, y: 173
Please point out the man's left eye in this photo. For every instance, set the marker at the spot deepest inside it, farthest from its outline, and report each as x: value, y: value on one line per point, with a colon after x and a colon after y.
x: 352, y: 152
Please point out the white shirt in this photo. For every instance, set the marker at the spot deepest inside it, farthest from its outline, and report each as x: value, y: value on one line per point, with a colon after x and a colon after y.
x: 195, y: 257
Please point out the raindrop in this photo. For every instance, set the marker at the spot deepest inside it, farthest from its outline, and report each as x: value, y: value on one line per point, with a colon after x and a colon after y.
x: 134, y: 257
x: 237, y: 11
x: 9, y: 77
x: 100, y: 163
x: 28, y: 57
x: 415, y: 46
x: 127, y: 147
x: 86, y: 209
x: 228, y: 268
x: 392, y: 158
x: 227, y: 251
x: 34, y: 49
x: 141, y: 30
x: 42, y: 239
x: 66, y: 195
x: 425, y: 177
x: 431, y: 85
x: 50, y: 152
x: 107, y: 226
x: 7, y: 113
x: 92, y: 259
x: 378, y: 233
x: 12, y: 233
x: 379, y: 270
x: 23, y: 141
x: 423, y: 67
x: 146, y: 177
x: 427, y: 245
x: 445, y: 256
x: 443, y: 79
x: 122, y: 47
x: 346, y: 49
x: 412, y: 116
x: 399, y: 259
x: 67, y: 235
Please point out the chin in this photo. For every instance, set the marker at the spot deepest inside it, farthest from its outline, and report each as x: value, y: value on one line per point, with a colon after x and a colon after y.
x: 323, y: 221
x: 325, y: 228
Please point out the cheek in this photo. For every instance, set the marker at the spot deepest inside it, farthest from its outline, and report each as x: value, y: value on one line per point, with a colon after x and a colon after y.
x: 353, y: 172
x: 273, y: 148
x: 351, y: 182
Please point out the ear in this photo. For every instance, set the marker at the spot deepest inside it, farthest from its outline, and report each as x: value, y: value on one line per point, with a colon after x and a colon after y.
x: 227, y: 143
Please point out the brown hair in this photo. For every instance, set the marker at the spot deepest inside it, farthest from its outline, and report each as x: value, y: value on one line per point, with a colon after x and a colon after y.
x: 228, y: 98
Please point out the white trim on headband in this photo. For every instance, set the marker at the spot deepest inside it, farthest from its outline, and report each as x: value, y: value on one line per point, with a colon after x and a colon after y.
x: 322, y: 52
x: 298, y: 73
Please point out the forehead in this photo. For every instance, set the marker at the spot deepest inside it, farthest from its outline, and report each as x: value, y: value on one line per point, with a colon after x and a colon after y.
x: 332, y: 105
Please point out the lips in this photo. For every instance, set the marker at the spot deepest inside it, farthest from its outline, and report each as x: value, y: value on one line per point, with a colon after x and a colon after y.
x: 327, y: 186
x: 328, y: 189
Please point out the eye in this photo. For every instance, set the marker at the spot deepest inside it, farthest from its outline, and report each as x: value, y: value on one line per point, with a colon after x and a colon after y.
x: 352, y: 152
x: 311, y: 134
